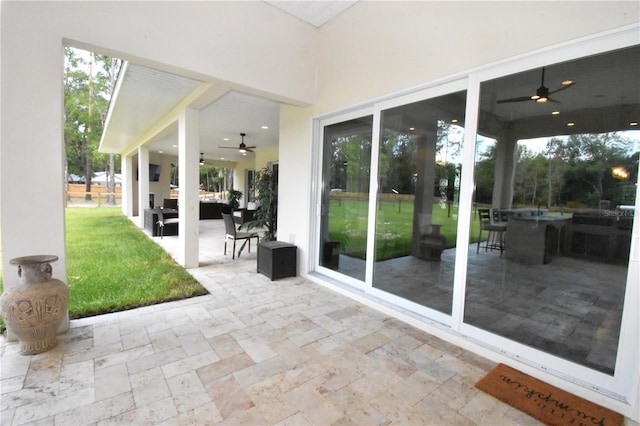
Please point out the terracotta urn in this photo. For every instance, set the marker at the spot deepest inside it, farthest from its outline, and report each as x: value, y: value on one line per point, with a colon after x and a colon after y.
x: 34, y: 308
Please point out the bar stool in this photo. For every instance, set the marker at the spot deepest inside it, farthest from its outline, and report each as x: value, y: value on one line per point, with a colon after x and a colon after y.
x: 495, y: 231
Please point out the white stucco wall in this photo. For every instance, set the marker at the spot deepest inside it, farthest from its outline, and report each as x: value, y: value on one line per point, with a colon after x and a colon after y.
x: 377, y: 48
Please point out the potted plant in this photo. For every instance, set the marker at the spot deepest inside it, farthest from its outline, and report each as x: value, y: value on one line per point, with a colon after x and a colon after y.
x: 234, y: 198
x: 266, y: 216
x: 276, y: 259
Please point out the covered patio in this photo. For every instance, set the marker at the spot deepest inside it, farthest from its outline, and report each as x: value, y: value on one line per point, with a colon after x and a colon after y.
x: 253, y: 351
x: 359, y: 63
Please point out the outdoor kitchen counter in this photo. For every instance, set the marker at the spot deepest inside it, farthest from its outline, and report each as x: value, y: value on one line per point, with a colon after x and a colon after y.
x: 534, y: 240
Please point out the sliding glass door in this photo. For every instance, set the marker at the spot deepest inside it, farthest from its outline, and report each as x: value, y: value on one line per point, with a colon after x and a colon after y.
x: 519, y: 235
x: 559, y: 178
x: 346, y: 172
x: 417, y: 200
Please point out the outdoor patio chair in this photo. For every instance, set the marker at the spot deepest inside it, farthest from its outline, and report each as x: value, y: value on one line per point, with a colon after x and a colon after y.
x: 162, y: 221
x: 495, y: 232
x: 232, y: 234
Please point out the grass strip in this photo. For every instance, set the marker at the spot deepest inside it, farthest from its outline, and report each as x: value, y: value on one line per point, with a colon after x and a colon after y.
x: 113, y: 266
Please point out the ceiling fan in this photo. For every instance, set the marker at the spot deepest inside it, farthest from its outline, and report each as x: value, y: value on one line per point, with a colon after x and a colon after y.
x: 542, y: 93
x: 202, y: 159
x: 242, y: 148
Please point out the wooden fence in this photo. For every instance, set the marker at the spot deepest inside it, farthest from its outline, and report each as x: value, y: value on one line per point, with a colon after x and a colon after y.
x: 99, y: 193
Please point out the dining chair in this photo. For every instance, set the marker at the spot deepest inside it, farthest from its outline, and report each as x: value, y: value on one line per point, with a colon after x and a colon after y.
x: 162, y: 221
x: 232, y: 234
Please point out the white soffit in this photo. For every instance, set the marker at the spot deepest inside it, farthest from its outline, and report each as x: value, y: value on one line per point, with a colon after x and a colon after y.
x: 145, y: 97
x: 314, y: 12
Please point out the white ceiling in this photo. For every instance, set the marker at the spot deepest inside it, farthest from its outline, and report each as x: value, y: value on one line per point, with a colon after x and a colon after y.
x: 146, y: 95
x: 316, y: 13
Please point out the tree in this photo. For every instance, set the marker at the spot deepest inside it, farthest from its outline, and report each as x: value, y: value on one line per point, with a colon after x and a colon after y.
x: 350, y: 165
x: 89, y: 80
x: 485, y: 175
x: 590, y: 158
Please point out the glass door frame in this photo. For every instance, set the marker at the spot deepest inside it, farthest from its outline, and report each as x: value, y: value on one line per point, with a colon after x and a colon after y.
x: 448, y: 86
x: 316, y: 191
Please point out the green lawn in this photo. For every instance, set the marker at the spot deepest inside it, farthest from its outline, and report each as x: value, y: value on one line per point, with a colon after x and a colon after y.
x: 112, y: 266
x: 348, y: 225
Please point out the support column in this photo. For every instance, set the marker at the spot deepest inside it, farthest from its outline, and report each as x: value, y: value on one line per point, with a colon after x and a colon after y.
x: 188, y: 199
x: 126, y: 165
x: 32, y: 208
x: 143, y: 183
x: 423, y: 201
x: 504, y: 173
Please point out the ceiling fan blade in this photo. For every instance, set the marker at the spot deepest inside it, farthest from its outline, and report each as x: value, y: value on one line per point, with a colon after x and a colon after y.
x: 520, y: 99
x: 541, y: 92
x: 250, y: 147
x: 563, y: 87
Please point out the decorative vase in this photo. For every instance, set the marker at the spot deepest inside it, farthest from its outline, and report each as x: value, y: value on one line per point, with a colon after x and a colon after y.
x: 34, y: 308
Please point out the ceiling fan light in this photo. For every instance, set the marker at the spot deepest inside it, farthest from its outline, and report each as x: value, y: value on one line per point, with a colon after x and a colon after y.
x: 242, y: 151
x: 535, y: 97
x: 541, y: 99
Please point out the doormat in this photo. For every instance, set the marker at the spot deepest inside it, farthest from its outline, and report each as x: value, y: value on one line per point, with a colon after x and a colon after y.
x: 546, y: 403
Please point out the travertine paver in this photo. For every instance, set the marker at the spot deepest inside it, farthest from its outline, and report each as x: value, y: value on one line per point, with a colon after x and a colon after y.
x: 253, y: 351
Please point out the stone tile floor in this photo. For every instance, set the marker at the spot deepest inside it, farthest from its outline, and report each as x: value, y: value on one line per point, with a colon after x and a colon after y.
x: 253, y: 352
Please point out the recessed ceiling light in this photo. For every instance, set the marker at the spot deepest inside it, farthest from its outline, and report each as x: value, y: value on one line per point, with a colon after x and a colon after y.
x: 160, y: 152
x: 174, y: 146
x: 455, y: 120
x: 555, y: 113
x: 571, y: 124
x: 222, y: 158
x: 567, y: 82
x: 225, y: 139
x: 412, y: 128
x: 265, y: 127
x: 633, y: 123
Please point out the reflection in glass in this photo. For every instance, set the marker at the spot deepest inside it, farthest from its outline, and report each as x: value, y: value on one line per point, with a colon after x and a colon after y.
x: 560, y: 176
x: 345, y: 196
x: 417, y: 200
